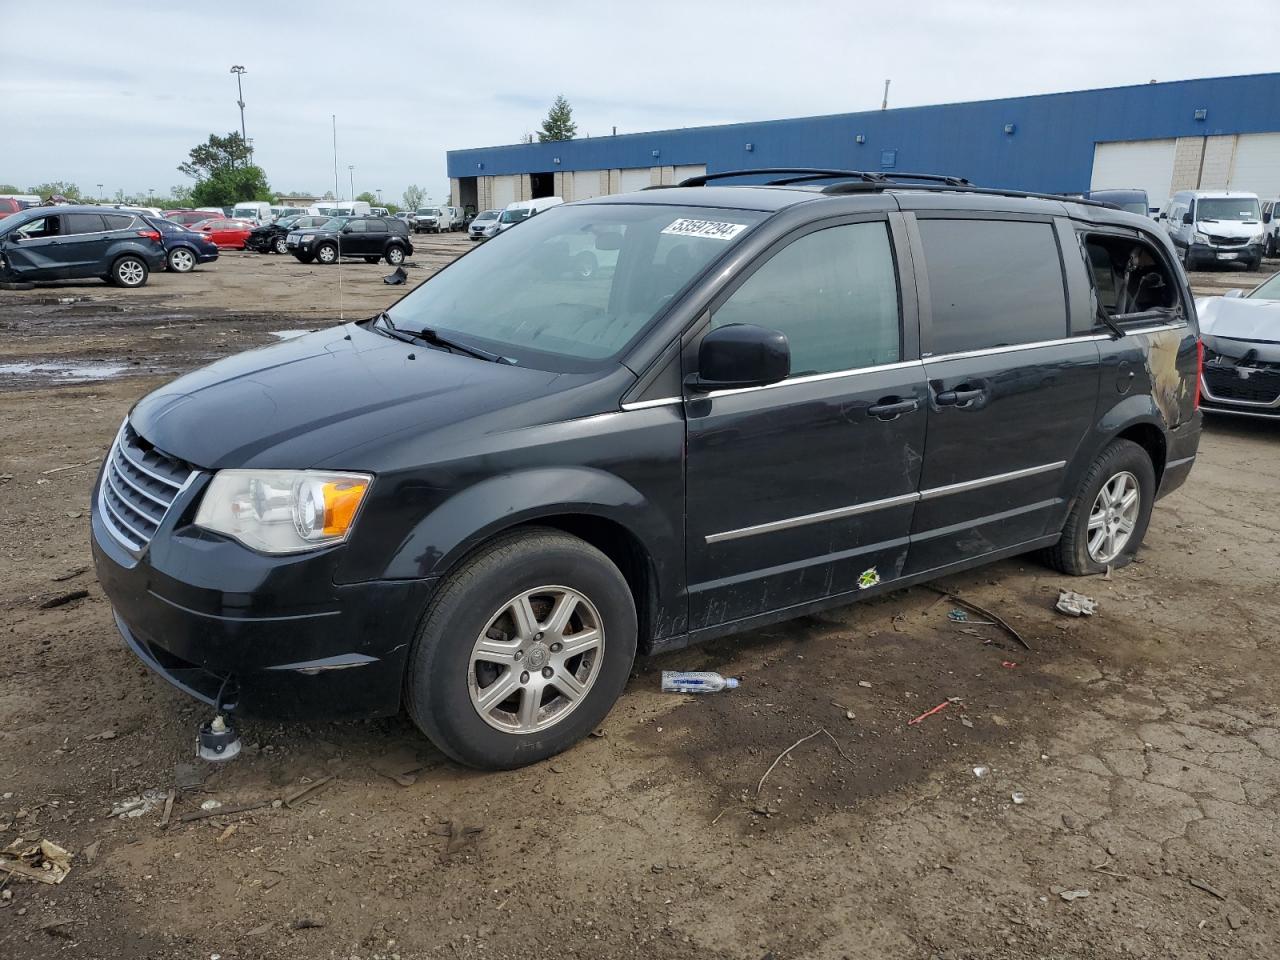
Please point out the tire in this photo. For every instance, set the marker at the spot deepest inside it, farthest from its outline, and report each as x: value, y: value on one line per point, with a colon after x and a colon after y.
x: 281, y: 245
x: 303, y: 257
x: 448, y: 673
x: 371, y: 259
x: 395, y: 255
x: 129, y: 272
x: 327, y: 253
x: 584, y: 265
x: 181, y: 260
x: 1122, y: 464
x: 1254, y: 265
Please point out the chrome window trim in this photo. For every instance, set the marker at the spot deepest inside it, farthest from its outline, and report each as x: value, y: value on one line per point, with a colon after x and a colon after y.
x: 812, y: 378
x: 1014, y: 347
x: 646, y: 404
x: 839, y: 513
x: 966, y: 485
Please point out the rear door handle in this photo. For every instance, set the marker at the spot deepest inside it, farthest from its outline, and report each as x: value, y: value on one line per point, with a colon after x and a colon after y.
x: 891, y: 408
x: 958, y: 398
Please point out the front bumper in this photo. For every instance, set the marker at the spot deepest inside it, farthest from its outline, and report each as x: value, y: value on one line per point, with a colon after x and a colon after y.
x: 1225, y: 253
x: 282, y: 636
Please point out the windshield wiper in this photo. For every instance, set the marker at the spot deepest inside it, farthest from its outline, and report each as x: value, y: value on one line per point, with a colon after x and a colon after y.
x: 429, y: 336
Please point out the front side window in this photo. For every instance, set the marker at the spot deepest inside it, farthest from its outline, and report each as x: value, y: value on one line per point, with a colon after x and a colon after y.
x: 43, y: 227
x: 993, y: 283
x: 834, y: 293
x: 357, y: 226
x: 574, y: 287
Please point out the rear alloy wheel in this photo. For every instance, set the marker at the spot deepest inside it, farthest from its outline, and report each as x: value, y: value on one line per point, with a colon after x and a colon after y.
x: 129, y: 271
x: 181, y: 260
x: 395, y: 255
x: 327, y: 253
x: 281, y: 245
x: 523, y: 650
x: 1109, y: 514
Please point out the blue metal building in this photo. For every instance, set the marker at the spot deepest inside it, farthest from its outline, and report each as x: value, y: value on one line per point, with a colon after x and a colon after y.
x: 1215, y: 132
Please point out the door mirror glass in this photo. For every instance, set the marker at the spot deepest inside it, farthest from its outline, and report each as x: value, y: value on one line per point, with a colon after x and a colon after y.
x: 1186, y: 218
x: 1233, y: 294
x: 741, y: 355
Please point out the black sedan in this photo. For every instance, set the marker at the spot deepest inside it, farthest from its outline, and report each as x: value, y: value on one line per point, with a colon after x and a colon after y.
x: 270, y: 237
x: 183, y: 247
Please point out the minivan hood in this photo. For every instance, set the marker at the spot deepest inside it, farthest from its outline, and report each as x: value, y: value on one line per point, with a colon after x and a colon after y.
x: 303, y: 402
x: 1232, y: 229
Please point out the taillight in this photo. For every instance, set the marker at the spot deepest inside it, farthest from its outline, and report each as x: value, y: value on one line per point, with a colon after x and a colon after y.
x: 1199, y: 369
x: 150, y: 235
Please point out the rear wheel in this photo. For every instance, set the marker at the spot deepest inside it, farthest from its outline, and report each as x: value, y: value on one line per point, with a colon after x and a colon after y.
x: 523, y: 651
x: 1109, y: 516
x: 281, y: 245
x: 327, y: 253
x: 129, y: 271
x: 181, y: 260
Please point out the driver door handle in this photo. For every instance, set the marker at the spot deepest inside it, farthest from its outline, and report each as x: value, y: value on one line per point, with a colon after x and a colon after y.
x: 958, y: 397
x: 890, y: 408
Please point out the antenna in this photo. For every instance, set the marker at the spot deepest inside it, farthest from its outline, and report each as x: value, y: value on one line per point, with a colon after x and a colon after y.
x: 884, y: 104
x: 335, y: 157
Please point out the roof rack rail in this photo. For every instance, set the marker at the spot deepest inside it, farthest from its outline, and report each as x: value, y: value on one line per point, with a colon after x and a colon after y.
x: 881, y: 178
x: 802, y: 172
x: 880, y: 186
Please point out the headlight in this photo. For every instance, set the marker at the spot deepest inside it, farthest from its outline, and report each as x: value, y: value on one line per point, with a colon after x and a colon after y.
x: 1199, y: 238
x: 1258, y: 238
x: 283, y: 511
x: 307, y: 237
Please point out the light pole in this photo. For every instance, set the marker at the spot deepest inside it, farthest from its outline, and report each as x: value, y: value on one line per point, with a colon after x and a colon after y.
x: 379, y: 196
x: 240, y: 71
x: 351, y: 172
x: 99, y: 191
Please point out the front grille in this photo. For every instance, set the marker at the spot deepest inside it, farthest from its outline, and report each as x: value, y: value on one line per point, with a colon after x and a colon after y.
x: 139, y: 485
x: 1218, y: 241
x: 1262, y: 386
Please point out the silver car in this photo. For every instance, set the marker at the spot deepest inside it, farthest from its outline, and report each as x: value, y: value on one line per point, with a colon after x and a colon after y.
x: 485, y: 225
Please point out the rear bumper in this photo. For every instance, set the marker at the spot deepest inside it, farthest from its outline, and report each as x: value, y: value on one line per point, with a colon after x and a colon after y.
x: 1182, y: 445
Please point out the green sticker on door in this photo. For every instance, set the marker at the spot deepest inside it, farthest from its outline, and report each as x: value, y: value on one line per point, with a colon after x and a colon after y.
x: 868, y: 578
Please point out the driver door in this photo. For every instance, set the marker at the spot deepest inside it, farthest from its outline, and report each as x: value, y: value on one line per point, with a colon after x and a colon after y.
x: 806, y: 488
x: 34, y: 250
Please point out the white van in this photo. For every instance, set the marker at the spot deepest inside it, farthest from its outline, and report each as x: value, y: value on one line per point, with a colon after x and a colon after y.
x: 524, y: 209
x: 1271, y: 228
x: 255, y: 210
x: 1215, y: 226
x: 339, y: 208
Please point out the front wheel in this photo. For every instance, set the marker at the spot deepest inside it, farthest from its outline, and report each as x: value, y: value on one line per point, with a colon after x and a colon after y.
x: 523, y: 651
x: 1109, y: 516
x: 282, y: 245
x: 327, y: 253
x: 303, y: 257
x: 395, y: 255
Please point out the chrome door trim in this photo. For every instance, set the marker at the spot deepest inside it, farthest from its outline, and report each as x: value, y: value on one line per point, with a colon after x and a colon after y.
x: 964, y: 486
x: 1015, y: 347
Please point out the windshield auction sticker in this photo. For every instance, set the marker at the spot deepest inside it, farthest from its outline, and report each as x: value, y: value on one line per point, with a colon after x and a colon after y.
x: 711, y: 229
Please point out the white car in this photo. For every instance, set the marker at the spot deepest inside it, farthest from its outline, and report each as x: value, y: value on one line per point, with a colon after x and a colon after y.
x: 1215, y: 226
x: 1241, y: 337
x: 523, y: 209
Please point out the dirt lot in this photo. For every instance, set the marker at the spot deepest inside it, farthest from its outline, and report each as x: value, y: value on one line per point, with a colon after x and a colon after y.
x: 1145, y: 742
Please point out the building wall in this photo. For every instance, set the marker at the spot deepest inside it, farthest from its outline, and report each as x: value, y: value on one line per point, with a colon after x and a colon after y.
x: 1050, y: 148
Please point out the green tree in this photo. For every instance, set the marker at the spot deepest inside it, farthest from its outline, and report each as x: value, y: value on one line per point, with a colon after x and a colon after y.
x: 68, y: 190
x: 9, y: 188
x: 216, y: 155
x: 559, y: 124
x: 229, y: 187
x: 413, y: 195
x: 368, y: 197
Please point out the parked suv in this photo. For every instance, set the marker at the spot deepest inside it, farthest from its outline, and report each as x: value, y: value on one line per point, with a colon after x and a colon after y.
x: 1215, y: 226
x: 273, y: 237
x: 69, y: 242
x: 482, y: 503
x: 373, y: 238
x: 429, y: 220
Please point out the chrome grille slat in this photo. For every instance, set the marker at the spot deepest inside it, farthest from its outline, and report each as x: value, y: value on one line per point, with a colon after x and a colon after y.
x: 139, y: 485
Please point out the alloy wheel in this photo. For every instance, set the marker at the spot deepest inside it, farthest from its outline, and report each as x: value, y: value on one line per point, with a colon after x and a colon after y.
x: 1113, y: 517
x: 181, y: 261
x: 395, y: 256
x: 130, y: 273
x: 282, y: 245
x: 326, y: 254
x: 536, y: 660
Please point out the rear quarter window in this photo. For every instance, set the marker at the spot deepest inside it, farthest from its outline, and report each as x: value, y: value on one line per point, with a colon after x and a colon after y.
x: 117, y: 221
x: 993, y: 283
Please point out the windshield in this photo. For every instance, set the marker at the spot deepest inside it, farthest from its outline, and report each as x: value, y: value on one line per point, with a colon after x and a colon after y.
x: 333, y: 223
x: 514, y: 216
x: 1138, y: 207
x: 287, y: 221
x: 1238, y: 208
x: 487, y: 215
x: 1267, y: 290
x: 574, y: 287
x: 428, y: 212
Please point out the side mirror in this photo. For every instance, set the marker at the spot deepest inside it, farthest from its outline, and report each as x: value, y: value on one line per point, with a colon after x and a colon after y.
x: 741, y: 355
x: 1233, y: 294
x: 346, y: 229
x: 1186, y: 218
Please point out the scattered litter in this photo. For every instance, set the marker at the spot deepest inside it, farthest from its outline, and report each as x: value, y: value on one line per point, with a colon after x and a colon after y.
x: 983, y: 611
x: 102, y: 735
x: 459, y: 838
x: 1018, y: 797
x: 693, y: 681
x: 868, y: 578
x: 1009, y: 664
x: 63, y: 598
x: 138, y: 806
x: 91, y: 852
x: 598, y: 733
x: 864, y: 683
x: 1069, y: 895
x: 962, y: 616
x: 221, y: 811
x: 981, y: 771
x: 397, y: 278
x: 938, y: 709
x: 1076, y: 604
x: 227, y: 833
x: 1107, y: 575
x: 44, y: 862
x: 58, y: 928
x: 258, y: 931
x: 69, y: 466
x: 308, y: 923
x: 70, y: 574
x: 211, y: 805
x: 1234, y: 922
x: 966, y: 722
x: 778, y: 758
x: 1201, y: 885
x: 302, y: 792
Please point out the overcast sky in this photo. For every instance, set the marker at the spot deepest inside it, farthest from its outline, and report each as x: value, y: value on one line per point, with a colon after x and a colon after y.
x: 118, y: 93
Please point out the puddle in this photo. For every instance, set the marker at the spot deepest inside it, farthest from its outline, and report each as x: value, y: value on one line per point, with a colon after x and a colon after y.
x: 49, y: 371
x: 289, y: 334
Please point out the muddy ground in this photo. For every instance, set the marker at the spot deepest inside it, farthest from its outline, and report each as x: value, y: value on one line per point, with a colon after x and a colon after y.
x: 1144, y: 742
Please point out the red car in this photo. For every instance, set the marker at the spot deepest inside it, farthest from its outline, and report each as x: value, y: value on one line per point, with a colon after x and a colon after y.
x: 8, y: 205
x: 188, y: 217
x: 230, y: 234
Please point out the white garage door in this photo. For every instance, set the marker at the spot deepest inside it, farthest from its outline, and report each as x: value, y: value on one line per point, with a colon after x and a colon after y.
x: 635, y: 178
x: 504, y: 191
x: 1144, y: 164
x: 585, y: 185
x: 1257, y: 164
x: 689, y: 170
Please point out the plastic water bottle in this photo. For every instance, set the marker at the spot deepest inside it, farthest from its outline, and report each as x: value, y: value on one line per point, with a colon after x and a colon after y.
x: 679, y: 681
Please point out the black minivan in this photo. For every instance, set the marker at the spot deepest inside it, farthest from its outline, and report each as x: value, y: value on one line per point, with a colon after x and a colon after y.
x: 482, y: 503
